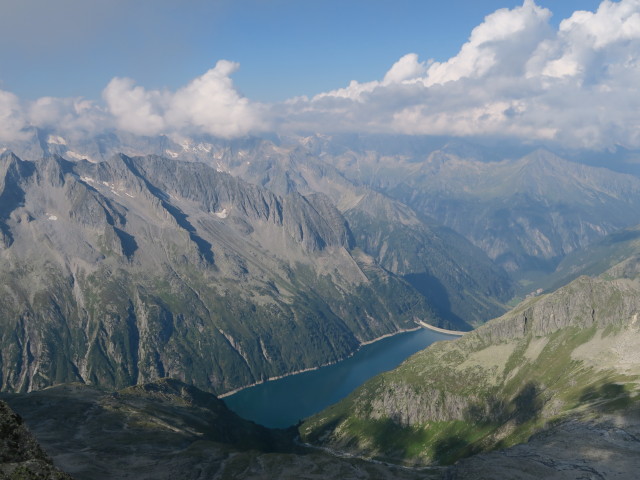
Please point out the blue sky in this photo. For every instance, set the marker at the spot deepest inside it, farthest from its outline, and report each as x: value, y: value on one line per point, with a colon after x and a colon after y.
x: 557, y: 72
x: 285, y: 48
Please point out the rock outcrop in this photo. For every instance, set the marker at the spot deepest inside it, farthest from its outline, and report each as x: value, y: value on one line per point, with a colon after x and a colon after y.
x: 21, y: 457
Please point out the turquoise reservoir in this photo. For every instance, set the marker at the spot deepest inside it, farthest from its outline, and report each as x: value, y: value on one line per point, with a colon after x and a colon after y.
x: 282, y: 403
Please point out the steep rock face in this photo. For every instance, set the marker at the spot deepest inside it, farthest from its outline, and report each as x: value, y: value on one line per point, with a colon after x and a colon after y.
x: 456, y: 277
x: 526, y: 210
x: 326, y: 166
x: 584, y: 303
x: 124, y: 271
x: 560, y: 356
x: 20, y: 455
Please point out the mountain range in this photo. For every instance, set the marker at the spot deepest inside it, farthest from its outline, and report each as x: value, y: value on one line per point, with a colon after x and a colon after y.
x: 139, y: 268
x: 526, y: 208
x: 142, y: 275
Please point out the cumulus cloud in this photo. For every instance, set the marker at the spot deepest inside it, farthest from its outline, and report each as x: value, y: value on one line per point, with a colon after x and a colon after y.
x: 516, y: 76
x: 135, y: 109
x: 209, y: 104
x: 498, y: 46
x: 74, y: 117
x: 407, y: 68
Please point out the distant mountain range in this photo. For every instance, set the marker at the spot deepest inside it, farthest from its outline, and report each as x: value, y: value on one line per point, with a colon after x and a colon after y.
x: 594, y: 259
x: 525, y: 213
x: 525, y: 208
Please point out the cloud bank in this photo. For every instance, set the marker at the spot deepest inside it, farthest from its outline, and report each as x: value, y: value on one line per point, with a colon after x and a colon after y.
x: 208, y: 104
x: 516, y: 76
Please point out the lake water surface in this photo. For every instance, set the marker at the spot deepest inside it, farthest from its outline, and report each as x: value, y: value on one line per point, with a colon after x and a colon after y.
x: 281, y: 403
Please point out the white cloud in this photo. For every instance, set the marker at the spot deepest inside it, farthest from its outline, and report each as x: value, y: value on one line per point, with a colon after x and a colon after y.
x: 407, y: 68
x: 497, y: 46
x: 12, y: 119
x: 209, y: 104
x: 71, y: 116
x: 135, y: 109
x: 516, y: 76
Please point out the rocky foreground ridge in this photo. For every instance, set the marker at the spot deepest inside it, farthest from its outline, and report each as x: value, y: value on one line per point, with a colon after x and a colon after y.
x: 561, y: 363
x: 20, y: 455
x: 166, y: 430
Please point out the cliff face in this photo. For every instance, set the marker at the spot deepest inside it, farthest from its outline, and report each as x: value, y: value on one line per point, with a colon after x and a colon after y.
x: 559, y: 356
x: 456, y: 277
x: 120, y: 272
x: 587, y: 302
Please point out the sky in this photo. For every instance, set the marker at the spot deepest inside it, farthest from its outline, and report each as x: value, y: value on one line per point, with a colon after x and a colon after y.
x: 559, y: 70
x: 286, y: 48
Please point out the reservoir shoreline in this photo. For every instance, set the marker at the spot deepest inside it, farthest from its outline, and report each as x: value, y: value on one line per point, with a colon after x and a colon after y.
x: 284, y: 402
x: 311, y: 369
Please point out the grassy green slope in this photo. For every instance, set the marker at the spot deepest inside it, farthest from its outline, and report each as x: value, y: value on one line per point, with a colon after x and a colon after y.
x: 571, y: 353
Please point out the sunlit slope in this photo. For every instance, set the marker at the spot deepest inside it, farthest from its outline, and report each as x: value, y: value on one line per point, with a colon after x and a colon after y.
x: 570, y: 354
